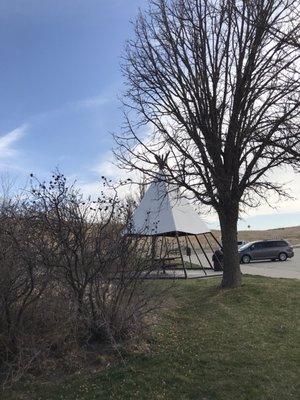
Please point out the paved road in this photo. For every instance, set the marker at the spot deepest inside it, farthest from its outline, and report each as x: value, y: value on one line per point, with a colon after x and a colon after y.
x: 274, y: 269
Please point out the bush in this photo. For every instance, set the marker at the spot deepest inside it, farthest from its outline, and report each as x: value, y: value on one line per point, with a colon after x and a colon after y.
x: 69, y: 276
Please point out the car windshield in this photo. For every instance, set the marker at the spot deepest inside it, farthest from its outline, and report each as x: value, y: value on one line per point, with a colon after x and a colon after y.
x: 245, y: 246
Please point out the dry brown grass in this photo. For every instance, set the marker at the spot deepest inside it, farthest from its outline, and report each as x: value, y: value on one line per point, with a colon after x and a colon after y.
x: 291, y: 234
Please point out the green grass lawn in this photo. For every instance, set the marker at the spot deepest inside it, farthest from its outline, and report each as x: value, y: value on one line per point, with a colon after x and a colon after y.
x: 209, y: 345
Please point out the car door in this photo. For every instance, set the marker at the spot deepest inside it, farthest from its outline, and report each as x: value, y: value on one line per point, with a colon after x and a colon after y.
x: 257, y: 251
x: 271, y: 249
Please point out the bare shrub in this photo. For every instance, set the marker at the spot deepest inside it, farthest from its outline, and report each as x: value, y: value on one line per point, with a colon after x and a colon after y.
x: 69, y: 276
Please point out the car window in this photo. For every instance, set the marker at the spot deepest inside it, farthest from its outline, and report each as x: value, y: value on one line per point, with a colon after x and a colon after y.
x: 245, y: 246
x: 271, y: 244
x: 281, y: 243
x: 275, y: 243
x: 256, y: 246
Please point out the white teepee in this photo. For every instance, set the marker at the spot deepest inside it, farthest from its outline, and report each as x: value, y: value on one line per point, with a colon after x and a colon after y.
x: 163, y: 211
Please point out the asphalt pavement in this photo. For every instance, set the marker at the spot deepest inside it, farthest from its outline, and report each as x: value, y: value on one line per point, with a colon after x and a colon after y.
x: 274, y: 269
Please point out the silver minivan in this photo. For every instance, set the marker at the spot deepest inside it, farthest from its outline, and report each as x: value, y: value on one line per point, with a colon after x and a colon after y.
x: 266, y: 250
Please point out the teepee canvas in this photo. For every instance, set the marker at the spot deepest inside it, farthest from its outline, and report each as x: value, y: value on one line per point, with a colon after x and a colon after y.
x: 163, y: 211
x: 168, y: 218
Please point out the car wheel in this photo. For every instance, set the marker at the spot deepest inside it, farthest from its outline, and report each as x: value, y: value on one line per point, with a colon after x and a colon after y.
x: 246, y: 259
x: 282, y: 257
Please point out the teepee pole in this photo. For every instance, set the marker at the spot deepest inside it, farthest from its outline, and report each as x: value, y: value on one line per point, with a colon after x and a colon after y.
x: 161, y: 247
x: 160, y: 255
x: 167, y: 247
x: 208, y: 242
x: 182, y: 260
x: 216, y: 255
x: 189, y: 253
x: 153, y: 250
x: 216, y: 240
x: 198, y: 258
x: 203, y: 251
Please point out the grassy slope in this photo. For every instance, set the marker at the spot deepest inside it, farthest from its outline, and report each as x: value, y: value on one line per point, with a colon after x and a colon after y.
x: 292, y: 234
x: 241, y: 344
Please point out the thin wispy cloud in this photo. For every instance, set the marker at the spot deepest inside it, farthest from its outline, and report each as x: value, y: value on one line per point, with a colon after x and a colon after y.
x: 71, y: 107
x: 107, y: 167
x: 8, y: 141
x: 92, y: 102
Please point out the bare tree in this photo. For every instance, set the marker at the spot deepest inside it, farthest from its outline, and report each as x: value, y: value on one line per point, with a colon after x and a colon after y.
x: 218, y: 83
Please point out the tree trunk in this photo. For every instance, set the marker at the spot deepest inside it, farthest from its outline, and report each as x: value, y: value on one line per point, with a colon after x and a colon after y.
x: 232, y: 273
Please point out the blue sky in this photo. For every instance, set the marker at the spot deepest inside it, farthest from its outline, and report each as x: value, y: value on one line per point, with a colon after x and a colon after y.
x: 60, y: 78
x: 59, y: 82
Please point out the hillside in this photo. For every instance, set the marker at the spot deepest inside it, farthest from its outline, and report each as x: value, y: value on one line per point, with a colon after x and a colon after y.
x: 291, y: 234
